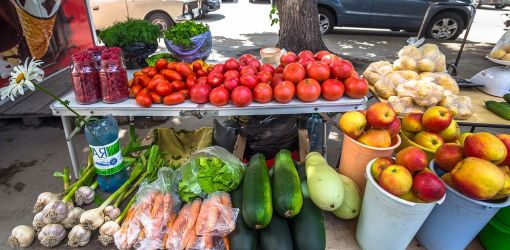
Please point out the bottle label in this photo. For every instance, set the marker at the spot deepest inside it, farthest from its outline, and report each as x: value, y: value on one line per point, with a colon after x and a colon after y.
x: 107, y: 158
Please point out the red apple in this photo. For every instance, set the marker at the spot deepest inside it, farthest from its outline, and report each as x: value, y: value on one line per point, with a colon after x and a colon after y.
x: 288, y: 57
x: 305, y: 54
x: 428, y: 140
x: 396, y: 180
x: 428, y: 187
x: 413, y: 158
x: 394, y: 126
x: 485, y: 146
x: 378, y: 138
x: 232, y: 64
x: 452, y: 133
x: 411, y: 122
x: 231, y: 83
x: 380, y: 115
x: 436, y: 119
x: 506, y: 140
x: 448, y: 155
x: 379, y: 165
x: 267, y: 68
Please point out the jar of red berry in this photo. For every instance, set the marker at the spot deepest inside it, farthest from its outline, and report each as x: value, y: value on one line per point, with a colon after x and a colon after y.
x: 85, y: 78
x: 113, y: 77
x: 96, y: 52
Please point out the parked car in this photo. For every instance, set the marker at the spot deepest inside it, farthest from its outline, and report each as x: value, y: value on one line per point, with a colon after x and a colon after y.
x: 162, y: 13
x: 210, y: 6
x: 443, y: 22
x: 498, y: 4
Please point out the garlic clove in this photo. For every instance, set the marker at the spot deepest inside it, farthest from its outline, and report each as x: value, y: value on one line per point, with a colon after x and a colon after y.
x: 51, y: 235
x: 21, y: 236
x: 78, y: 236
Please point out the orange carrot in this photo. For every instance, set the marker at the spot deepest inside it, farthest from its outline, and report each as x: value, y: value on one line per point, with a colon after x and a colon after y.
x: 187, y: 232
x: 228, y: 213
x: 208, y: 216
x: 192, y: 239
x: 226, y: 242
x: 208, y: 241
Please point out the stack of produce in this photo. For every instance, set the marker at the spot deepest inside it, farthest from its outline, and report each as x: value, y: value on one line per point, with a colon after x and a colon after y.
x: 502, y: 109
x: 408, y: 177
x: 501, y: 52
x: 478, y: 167
x: 306, y: 76
x: 431, y: 129
x: 418, y: 80
x: 376, y: 127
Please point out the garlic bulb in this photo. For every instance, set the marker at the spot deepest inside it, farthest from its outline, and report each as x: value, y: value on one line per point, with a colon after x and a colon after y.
x: 43, y: 199
x: 72, y: 218
x: 55, y: 211
x: 92, y: 219
x: 38, y: 222
x: 84, y: 195
x: 111, y: 213
x: 51, y: 235
x: 106, y: 232
x: 21, y: 236
x: 78, y: 236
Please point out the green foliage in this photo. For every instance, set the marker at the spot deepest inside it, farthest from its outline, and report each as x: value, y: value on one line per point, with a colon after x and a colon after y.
x: 151, y: 60
x: 123, y: 34
x: 273, y: 15
x: 182, y: 33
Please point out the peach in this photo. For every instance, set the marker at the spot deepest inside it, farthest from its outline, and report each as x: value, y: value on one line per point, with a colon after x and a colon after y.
x: 380, y: 164
x: 428, y: 140
x: 436, y: 119
x: 379, y: 138
x: 448, y: 155
x: 352, y: 123
x: 478, y: 178
x: 428, y: 187
x: 411, y: 122
x: 380, y: 115
x: 395, y: 179
x: 485, y: 146
x: 452, y: 133
x: 506, y: 140
x: 413, y: 158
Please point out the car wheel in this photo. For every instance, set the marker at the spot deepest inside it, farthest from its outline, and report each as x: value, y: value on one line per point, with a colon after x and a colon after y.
x: 445, y: 26
x: 162, y: 20
x: 499, y: 6
x: 326, y: 21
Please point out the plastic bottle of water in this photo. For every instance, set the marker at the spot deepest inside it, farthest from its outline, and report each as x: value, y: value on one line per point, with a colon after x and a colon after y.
x: 315, y: 129
x: 103, y: 138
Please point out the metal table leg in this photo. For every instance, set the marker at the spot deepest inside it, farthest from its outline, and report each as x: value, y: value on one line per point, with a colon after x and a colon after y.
x: 324, y: 138
x: 72, y: 153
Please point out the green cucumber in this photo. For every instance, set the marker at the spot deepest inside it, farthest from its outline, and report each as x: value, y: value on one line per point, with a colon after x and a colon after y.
x: 307, y: 228
x: 505, y: 104
x: 257, y: 207
x: 243, y: 237
x: 507, y: 97
x: 499, y: 109
x: 287, y: 196
x: 276, y: 236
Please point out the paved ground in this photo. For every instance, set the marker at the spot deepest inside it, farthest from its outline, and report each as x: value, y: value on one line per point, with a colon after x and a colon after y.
x: 30, y: 155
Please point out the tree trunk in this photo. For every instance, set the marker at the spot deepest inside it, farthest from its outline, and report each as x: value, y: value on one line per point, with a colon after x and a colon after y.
x: 299, y: 26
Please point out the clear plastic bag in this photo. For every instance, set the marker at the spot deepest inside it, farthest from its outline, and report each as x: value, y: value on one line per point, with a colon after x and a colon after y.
x: 424, y: 92
x: 427, y: 58
x: 387, y: 85
x: 442, y: 79
x: 216, y: 217
x: 182, y: 230
x: 501, y: 50
x: 207, y: 171
x: 376, y: 70
x: 199, y: 49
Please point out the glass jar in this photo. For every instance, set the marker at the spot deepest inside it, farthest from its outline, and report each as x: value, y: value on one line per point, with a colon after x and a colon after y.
x: 85, y: 78
x: 114, y: 81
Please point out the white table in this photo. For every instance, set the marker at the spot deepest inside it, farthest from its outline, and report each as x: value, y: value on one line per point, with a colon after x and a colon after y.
x: 188, y: 108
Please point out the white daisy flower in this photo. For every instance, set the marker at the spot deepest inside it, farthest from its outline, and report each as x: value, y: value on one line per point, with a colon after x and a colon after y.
x: 23, y: 76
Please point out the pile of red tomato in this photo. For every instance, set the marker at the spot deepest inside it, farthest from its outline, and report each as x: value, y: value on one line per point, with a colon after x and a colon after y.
x: 306, y: 76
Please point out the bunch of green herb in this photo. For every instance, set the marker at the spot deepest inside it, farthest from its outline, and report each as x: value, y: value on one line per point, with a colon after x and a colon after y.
x: 123, y: 34
x: 181, y: 33
x: 151, y: 60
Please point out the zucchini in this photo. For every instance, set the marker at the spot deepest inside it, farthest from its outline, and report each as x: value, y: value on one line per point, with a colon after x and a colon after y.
x: 307, y: 228
x: 505, y: 104
x: 287, y: 196
x: 499, y: 109
x: 507, y: 97
x: 243, y: 237
x: 276, y: 236
x: 257, y: 206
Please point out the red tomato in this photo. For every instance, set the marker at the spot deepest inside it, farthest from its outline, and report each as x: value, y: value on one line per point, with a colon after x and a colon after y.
x: 356, y: 87
x: 318, y: 70
x: 178, y: 85
x: 232, y: 64
x: 245, y: 58
x: 184, y: 92
x: 248, y: 69
x: 267, y: 68
x: 202, y: 79
x: 308, y: 90
x: 231, y: 73
x: 354, y: 74
x: 164, y: 88
x: 148, y: 69
x: 284, y: 92
x: 183, y: 69
x: 144, y: 99
x: 254, y: 62
x: 248, y: 80
x: 200, y: 93
x: 264, y: 76
x: 263, y: 92
x: 328, y: 59
x: 196, y: 66
x: 288, y: 57
x: 306, y: 61
x: 154, y: 82
x: 158, y: 76
x: 156, y: 98
x: 305, y: 54
x: 172, y: 65
x: 174, y: 98
x: 219, y: 67
x: 144, y: 80
x: 133, y: 91
x: 231, y: 83
x: 219, y: 96
x: 202, y: 72
x: 341, y: 69
x: 294, y: 72
x: 172, y: 75
x: 191, y: 80
x: 277, y: 78
x: 332, y: 89
x: 318, y: 56
x: 279, y: 69
x: 215, y: 79
x: 161, y: 64
x: 144, y: 91
x: 241, y: 96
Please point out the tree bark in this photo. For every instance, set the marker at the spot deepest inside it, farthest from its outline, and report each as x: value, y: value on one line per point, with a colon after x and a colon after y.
x: 299, y: 26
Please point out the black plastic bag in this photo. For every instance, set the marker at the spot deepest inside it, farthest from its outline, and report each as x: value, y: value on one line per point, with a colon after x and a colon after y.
x: 134, y: 55
x: 225, y: 133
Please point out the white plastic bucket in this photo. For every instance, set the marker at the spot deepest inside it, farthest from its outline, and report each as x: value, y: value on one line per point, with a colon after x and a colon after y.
x: 455, y: 223
x: 387, y: 222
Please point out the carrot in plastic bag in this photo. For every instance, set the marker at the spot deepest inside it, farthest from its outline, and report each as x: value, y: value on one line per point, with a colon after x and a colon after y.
x: 208, y: 216
x: 216, y: 217
x: 181, y: 230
